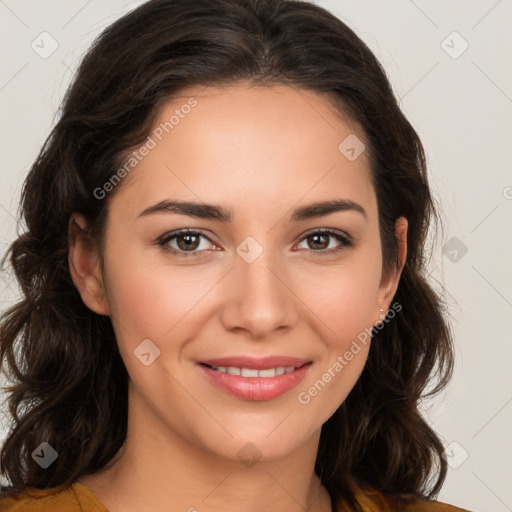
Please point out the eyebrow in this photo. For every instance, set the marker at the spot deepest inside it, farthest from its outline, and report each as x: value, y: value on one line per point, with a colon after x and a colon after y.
x: 214, y: 212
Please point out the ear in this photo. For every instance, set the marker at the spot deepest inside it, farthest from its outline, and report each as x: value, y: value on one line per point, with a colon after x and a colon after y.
x: 84, y: 266
x: 389, y: 282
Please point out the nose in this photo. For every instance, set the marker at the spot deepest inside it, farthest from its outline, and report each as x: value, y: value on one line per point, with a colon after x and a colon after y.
x: 259, y: 297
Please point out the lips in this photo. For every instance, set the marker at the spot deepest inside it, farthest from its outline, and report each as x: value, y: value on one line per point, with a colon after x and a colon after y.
x: 253, y: 387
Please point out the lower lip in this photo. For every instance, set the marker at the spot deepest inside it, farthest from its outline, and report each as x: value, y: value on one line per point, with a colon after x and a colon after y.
x: 255, y: 388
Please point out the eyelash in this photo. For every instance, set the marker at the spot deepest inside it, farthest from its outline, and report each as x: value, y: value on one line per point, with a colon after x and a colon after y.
x: 346, y: 242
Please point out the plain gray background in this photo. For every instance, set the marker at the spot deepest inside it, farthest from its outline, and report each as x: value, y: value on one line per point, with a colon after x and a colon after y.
x: 449, y: 63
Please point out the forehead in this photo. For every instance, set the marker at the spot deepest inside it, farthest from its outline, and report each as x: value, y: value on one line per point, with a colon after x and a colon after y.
x: 250, y: 145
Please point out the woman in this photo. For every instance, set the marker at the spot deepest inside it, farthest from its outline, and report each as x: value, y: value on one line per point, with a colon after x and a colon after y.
x: 223, y: 275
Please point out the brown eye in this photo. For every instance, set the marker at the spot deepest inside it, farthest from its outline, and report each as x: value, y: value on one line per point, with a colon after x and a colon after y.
x: 320, y: 242
x: 187, y: 243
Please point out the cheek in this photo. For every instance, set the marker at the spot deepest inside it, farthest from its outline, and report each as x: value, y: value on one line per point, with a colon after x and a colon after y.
x: 345, y: 301
x: 344, y: 296
x: 150, y: 298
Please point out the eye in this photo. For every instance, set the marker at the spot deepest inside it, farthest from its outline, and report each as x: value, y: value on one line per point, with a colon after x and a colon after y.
x: 318, y: 241
x: 187, y: 241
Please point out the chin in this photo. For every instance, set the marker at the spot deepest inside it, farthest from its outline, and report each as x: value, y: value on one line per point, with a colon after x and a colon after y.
x: 251, y: 444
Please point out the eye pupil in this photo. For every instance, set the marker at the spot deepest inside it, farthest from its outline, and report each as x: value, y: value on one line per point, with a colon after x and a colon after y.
x: 188, y: 244
x: 316, y: 236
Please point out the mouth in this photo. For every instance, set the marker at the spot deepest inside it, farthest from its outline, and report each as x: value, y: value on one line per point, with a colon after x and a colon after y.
x: 253, y: 383
x: 254, y: 372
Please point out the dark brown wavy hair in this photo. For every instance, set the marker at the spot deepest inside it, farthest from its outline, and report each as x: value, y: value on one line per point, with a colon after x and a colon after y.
x: 69, y: 383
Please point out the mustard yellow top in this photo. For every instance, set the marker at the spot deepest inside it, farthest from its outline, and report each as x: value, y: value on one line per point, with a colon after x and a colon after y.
x: 79, y: 498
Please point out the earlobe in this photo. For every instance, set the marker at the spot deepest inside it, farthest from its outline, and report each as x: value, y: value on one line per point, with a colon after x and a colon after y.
x: 389, y: 283
x: 84, y: 266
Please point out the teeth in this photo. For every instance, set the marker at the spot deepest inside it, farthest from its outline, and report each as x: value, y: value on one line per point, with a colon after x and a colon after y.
x: 250, y: 372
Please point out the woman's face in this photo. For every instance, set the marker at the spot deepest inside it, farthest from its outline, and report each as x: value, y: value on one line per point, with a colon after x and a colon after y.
x: 263, y: 283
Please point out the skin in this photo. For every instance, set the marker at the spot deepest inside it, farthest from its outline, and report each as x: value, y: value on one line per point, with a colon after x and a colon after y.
x: 259, y: 152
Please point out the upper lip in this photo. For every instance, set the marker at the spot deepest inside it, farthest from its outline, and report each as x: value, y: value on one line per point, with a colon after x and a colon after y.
x: 256, y: 363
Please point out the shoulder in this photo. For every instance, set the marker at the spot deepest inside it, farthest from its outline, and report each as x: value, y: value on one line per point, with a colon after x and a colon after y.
x: 374, y: 501
x: 72, y: 498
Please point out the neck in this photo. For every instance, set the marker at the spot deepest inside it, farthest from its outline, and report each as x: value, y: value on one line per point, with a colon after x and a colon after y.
x: 165, y: 471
